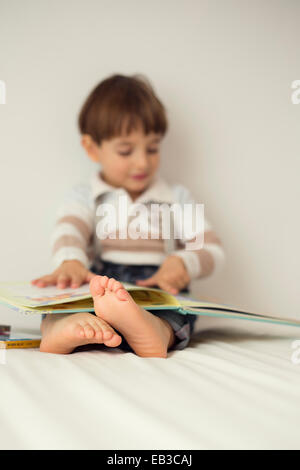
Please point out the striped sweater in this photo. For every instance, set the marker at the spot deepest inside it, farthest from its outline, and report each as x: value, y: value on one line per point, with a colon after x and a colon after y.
x: 80, y: 232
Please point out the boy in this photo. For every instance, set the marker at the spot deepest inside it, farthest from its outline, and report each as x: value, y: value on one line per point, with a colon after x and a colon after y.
x: 122, y: 123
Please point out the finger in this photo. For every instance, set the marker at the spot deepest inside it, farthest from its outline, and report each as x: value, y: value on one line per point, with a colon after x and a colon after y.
x: 163, y: 285
x: 178, y: 286
x: 174, y: 290
x: 76, y: 281
x: 89, y: 276
x: 177, y: 282
x: 184, y: 281
x: 151, y: 281
x: 40, y: 283
x: 45, y: 281
x: 62, y: 281
x: 168, y: 287
x: 37, y: 281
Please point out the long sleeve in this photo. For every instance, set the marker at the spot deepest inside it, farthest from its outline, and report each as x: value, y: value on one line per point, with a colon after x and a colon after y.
x: 201, y: 262
x: 72, y: 236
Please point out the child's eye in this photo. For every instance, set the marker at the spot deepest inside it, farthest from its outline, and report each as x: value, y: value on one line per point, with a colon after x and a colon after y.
x: 125, y: 154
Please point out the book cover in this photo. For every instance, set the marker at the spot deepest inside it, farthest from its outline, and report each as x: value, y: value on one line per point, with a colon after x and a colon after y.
x: 11, y: 339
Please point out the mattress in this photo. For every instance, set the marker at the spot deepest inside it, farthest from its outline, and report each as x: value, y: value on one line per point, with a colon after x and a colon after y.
x: 234, y: 387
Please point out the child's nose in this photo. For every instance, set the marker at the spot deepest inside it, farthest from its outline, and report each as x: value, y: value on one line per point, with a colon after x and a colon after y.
x: 142, y: 161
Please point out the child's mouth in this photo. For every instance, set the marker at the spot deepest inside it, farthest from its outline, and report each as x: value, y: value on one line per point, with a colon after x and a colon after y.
x: 140, y: 176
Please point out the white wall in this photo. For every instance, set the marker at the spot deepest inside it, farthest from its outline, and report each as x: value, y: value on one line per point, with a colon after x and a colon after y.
x: 224, y: 71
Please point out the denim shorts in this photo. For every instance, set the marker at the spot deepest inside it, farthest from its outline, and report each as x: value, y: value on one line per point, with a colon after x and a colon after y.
x: 183, y: 325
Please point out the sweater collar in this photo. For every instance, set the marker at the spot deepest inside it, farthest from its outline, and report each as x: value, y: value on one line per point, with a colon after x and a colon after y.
x: 158, y: 190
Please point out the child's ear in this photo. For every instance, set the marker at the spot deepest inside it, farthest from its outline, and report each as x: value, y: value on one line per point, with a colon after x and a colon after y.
x: 90, y: 146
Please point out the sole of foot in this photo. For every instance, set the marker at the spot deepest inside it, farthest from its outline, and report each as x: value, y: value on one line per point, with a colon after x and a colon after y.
x: 147, y: 334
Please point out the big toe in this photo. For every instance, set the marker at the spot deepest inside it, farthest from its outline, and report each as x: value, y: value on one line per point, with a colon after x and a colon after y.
x: 112, y: 340
x: 96, y: 286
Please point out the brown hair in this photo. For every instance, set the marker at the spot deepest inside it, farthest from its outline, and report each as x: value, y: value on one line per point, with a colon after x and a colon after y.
x: 118, y: 101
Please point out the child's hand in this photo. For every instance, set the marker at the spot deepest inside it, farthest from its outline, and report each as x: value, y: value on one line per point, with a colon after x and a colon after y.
x: 172, y: 276
x: 70, y: 273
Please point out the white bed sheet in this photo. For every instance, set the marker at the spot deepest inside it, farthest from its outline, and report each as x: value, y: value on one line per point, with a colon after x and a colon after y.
x: 234, y: 387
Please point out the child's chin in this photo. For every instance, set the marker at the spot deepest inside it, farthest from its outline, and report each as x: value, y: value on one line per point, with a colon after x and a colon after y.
x: 140, y: 184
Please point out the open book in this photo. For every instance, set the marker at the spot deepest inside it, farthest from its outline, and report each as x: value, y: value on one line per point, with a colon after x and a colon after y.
x: 28, y: 299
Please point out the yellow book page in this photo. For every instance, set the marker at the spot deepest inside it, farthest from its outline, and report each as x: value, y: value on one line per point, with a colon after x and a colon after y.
x: 143, y: 297
x: 148, y: 298
x: 87, y: 304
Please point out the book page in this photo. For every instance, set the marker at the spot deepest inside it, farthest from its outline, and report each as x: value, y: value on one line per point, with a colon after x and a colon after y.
x: 203, y: 304
x: 235, y: 314
x: 24, y: 293
x: 153, y: 298
x: 146, y: 298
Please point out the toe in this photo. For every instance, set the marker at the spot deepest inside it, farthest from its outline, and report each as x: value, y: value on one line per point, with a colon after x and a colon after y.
x: 104, y: 280
x: 114, y: 341
x: 99, y: 336
x: 96, y: 286
x: 111, y: 283
x: 89, y: 331
x: 107, y: 330
x: 107, y: 334
x: 117, y: 285
x: 103, y: 331
x: 122, y: 294
x: 98, y: 333
x: 79, y: 331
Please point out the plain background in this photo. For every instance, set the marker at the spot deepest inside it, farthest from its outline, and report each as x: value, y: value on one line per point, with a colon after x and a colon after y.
x: 224, y: 71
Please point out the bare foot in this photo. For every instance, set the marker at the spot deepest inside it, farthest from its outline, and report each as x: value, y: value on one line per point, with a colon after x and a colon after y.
x: 62, y: 333
x: 147, y: 334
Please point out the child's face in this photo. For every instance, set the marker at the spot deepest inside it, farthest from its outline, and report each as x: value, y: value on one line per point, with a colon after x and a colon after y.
x: 129, y: 161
